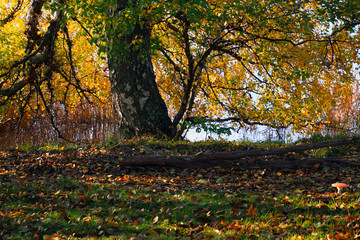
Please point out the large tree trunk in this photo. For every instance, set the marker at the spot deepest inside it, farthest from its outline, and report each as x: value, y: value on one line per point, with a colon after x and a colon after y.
x: 136, y: 98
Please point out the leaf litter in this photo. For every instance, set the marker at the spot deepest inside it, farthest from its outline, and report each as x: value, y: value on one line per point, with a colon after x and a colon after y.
x: 83, y: 193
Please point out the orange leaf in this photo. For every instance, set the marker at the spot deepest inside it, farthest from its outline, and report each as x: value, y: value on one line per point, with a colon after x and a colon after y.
x: 252, y: 211
x: 124, y: 178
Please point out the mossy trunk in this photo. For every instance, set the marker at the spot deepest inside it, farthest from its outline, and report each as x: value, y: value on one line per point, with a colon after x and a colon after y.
x: 135, y: 95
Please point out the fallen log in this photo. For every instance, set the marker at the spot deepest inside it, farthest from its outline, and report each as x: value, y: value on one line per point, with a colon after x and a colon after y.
x: 224, y: 159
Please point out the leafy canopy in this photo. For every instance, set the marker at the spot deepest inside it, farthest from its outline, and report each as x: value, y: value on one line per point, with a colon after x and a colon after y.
x: 269, y: 62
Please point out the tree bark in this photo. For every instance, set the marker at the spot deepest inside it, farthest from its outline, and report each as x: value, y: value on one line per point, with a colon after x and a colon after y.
x: 224, y: 159
x: 136, y: 99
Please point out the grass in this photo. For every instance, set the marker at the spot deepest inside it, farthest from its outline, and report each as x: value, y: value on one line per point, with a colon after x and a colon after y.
x: 73, y: 194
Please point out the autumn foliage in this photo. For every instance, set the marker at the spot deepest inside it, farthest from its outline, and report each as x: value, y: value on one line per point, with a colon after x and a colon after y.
x: 280, y: 64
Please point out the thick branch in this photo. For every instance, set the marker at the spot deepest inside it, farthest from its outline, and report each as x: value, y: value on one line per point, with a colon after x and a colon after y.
x: 208, y: 159
x: 37, y: 57
x: 191, y: 74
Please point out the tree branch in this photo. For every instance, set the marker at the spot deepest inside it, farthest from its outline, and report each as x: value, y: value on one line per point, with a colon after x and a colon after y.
x: 11, y: 15
x: 224, y: 159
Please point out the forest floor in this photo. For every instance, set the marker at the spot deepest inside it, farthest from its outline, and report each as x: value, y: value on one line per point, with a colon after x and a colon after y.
x: 82, y: 193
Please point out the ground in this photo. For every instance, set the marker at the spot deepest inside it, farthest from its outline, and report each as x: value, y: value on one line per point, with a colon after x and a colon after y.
x: 83, y: 193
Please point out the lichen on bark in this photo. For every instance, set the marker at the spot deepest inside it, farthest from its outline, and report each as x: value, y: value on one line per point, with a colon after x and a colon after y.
x: 135, y: 96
